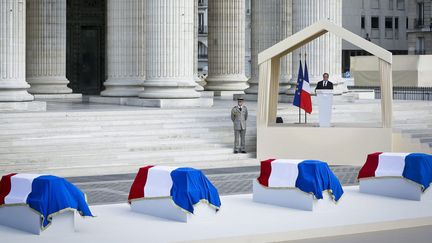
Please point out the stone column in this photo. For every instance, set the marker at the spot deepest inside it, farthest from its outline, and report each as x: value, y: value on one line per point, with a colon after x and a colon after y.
x: 126, y: 53
x: 170, y: 50
x: 226, y: 46
x: 271, y: 23
x: 285, y: 32
x: 46, y: 47
x: 198, y: 87
x: 13, y: 85
x: 325, y: 53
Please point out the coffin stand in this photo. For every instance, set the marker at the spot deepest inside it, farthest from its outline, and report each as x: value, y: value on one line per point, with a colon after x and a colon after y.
x: 290, y: 198
x: 26, y: 219
x: 394, y: 187
x: 166, y: 208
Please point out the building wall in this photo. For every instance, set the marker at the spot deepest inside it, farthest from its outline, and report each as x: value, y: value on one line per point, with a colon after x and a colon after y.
x: 393, y: 38
x: 420, y: 36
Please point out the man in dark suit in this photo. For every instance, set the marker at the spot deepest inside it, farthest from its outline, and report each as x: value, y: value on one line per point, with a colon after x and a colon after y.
x: 325, y: 83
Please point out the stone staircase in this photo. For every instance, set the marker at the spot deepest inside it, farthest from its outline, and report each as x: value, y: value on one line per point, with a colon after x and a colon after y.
x: 87, y: 139
x: 69, y: 143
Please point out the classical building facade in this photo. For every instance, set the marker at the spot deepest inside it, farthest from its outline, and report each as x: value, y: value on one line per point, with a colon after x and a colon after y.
x: 149, y: 49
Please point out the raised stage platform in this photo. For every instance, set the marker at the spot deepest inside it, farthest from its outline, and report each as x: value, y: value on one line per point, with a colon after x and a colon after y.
x: 242, y: 220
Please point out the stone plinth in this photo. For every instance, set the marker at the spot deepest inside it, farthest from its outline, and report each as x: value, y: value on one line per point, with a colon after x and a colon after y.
x: 23, y: 106
x: 157, y: 103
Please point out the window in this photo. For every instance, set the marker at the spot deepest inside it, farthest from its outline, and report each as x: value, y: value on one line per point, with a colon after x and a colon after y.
x: 375, y: 4
x: 375, y: 31
x: 407, y: 23
x: 363, y: 22
x: 420, y: 15
x: 391, y: 3
x: 375, y: 22
x: 420, y: 48
x: 201, y: 27
x: 389, y: 23
x: 401, y: 4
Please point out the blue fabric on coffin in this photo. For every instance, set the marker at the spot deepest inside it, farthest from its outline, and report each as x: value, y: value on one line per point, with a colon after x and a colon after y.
x: 418, y: 168
x: 51, y: 194
x: 315, y: 177
x: 190, y: 186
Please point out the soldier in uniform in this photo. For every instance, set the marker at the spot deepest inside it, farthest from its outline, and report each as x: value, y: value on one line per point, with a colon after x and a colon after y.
x: 239, y: 115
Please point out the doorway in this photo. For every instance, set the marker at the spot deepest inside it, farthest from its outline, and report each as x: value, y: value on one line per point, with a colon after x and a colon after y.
x: 85, y: 55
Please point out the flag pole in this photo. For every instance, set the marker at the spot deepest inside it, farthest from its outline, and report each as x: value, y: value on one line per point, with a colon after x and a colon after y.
x: 297, y: 88
x: 299, y: 115
x: 305, y: 111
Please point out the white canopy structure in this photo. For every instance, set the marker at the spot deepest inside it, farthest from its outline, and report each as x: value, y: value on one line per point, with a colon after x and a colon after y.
x: 268, y: 61
x: 336, y: 145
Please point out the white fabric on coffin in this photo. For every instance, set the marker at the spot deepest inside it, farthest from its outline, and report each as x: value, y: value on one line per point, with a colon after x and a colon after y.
x: 284, y: 173
x: 159, y: 181
x: 21, y: 187
x: 391, y: 164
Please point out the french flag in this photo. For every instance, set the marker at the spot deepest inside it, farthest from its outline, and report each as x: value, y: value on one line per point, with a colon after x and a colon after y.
x: 310, y: 176
x: 302, y: 97
x: 416, y: 167
x: 186, y: 186
x: 46, y: 194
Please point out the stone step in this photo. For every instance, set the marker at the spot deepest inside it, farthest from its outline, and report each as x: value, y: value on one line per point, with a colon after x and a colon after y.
x: 127, y: 168
x: 89, y: 128
x: 426, y: 140
x: 108, y: 137
x: 179, y: 160
x: 131, y: 146
x: 29, y: 123
x: 178, y: 113
x: 119, y: 153
x: 223, y: 138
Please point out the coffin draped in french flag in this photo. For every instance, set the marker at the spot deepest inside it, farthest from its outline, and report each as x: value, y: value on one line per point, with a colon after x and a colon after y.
x: 46, y: 194
x: 185, y: 186
x: 309, y: 176
x: 415, y: 167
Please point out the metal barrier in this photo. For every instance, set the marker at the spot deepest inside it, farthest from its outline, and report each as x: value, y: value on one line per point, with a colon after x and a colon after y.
x: 402, y: 93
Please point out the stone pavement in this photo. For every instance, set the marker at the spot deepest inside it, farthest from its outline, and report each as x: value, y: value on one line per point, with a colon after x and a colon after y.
x: 110, y: 189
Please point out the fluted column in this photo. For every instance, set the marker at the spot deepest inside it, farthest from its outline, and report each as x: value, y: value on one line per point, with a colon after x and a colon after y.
x: 46, y: 47
x: 13, y: 85
x: 170, y: 50
x: 325, y: 53
x: 226, y: 46
x: 271, y: 23
x: 285, y: 14
x: 198, y: 87
x: 126, y: 55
